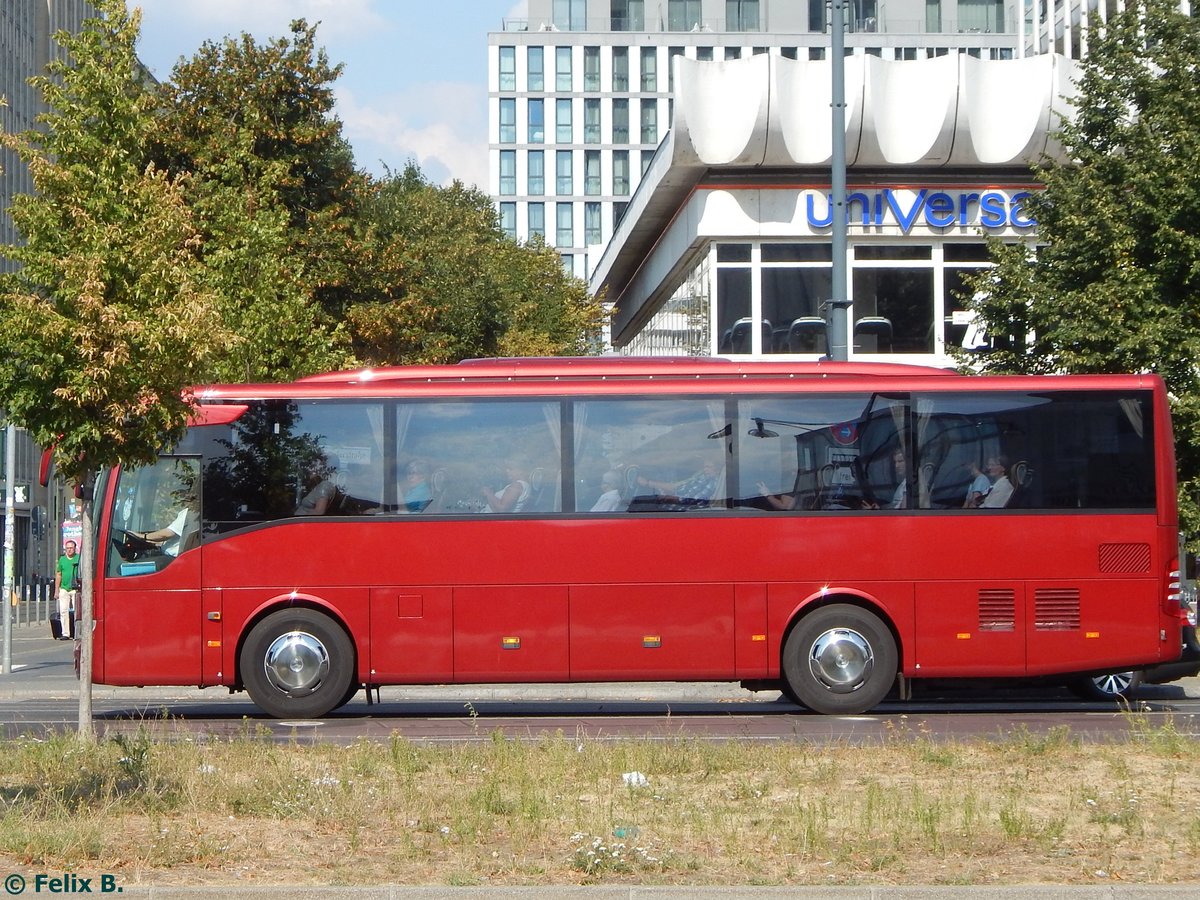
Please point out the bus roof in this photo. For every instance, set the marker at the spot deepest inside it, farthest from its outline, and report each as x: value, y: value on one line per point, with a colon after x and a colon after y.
x: 608, y: 375
x: 619, y: 366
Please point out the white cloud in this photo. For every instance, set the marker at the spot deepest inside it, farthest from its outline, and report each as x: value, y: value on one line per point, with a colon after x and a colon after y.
x: 441, y: 126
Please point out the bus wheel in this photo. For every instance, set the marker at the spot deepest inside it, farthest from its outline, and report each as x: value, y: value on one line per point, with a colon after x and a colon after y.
x: 1113, y: 686
x: 297, y: 663
x: 840, y: 660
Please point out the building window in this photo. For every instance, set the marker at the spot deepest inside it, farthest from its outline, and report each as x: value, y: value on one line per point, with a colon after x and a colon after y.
x: 672, y: 52
x: 592, y: 185
x: 649, y: 121
x: 535, y: 178
x: 649, y: 69
x: 704, y: 54
x: 508, y: 68
x: 892, y: 294
x: 620, y: 115
x: 959, y: 261
x: 564, y: 181
x: 591, y: 68
x: 683, y: 15
x: 562, y: 122
x: 619, y: 212
x: 591, y: 223
x: 570, y: 15
x: 620, y: 69
x: 788, y: 52
x: 818, y: 15
x: 620, y: 167
x: 591, y: 121
x: 537, y: 220
x: 565, y: 232
x: 508, y: 172
x: 537, y: 121
x: 741, y: 15
x: 647, y: 158
x: 628, y: 15
x: 508, y: 120
x: 536, y: 63
x: 562, y: 68
x: 508, y: 220
x: 862, y: 15
x: 733, y: 52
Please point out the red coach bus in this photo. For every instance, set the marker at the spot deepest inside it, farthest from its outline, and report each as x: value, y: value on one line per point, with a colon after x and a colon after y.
x: 818, y: 528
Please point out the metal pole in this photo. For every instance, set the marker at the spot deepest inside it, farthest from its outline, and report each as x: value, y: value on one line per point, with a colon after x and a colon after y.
x: 837, y: 326
x: 10, y: 514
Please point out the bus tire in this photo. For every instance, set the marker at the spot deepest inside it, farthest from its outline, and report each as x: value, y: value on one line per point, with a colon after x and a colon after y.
x: 297, y: 664
x: 840, y: 660
x: 1111, y: 687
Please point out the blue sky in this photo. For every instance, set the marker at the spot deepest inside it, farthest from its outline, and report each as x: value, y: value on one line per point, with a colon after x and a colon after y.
x: 415, y: 78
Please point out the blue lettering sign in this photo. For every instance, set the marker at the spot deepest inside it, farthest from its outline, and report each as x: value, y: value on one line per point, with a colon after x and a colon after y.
x: 936, y: 209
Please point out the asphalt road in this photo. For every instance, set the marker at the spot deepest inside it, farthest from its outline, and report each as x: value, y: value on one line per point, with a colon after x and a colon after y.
x: 40, y: 695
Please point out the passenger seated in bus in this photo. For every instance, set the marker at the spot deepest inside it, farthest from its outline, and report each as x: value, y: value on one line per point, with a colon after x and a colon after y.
x: 979, y: 487
x: 515, y: 494
x: 776, y: 501
x: 1002, y: 487
x: 900, y: 495
x: 416, y: 490
x: 697, y: 489
x: 610, y: 498
x: 322, y: 498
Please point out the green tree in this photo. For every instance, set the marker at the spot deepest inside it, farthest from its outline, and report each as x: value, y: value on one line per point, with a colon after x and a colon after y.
x: 108, y: 320
x: 275, y: 193
x: 447, y: 284
x: 1113, y: 285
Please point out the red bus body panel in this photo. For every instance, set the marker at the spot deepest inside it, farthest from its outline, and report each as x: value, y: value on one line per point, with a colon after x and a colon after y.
x: 695, y: 596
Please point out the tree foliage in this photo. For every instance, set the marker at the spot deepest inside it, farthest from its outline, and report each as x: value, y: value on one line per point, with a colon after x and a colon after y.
x: 274, y: 190
x: 449, y: 285
x: 1114, y: 284
x: 109, y: 317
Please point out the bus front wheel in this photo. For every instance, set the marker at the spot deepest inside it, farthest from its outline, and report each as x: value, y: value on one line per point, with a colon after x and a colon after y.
x: 297, y: 663
x: 840, y: 660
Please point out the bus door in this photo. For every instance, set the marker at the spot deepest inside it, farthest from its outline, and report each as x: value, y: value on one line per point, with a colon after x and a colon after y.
x: 150, y: 621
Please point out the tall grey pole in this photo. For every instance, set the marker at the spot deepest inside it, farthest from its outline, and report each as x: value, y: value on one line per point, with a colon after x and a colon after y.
x: 837, y: 327
x: 10, y: 514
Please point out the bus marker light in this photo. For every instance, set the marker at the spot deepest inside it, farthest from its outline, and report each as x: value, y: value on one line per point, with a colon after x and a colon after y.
x: 1092, y: 634
x: 758, y: 637
x: 510, y: 643
x: 214, y: 643
x: 651, y: 640
x: 214, y: 617
x: 964, y: 635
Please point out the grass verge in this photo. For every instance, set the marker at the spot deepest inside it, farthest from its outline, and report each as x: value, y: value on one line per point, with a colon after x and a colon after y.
x: 1021, y: 808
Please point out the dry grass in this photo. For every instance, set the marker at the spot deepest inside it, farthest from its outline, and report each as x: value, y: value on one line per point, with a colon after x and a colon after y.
x: 1019, y: 810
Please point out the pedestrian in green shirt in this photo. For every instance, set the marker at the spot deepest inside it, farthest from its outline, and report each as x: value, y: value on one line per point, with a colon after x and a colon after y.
x: 66, y: 588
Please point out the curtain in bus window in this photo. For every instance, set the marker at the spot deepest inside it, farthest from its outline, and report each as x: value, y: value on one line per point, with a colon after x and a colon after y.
x: 1038, y: 450
x: 811, y: 452
x: 660, y: 454
x: 473, y: 450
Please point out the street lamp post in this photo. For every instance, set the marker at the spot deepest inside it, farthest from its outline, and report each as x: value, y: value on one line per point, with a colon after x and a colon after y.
x: 837, y: 329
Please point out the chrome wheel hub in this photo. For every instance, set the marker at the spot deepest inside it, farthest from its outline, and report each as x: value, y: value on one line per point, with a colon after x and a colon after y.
x: 841, y: 659
x: 296, y: 663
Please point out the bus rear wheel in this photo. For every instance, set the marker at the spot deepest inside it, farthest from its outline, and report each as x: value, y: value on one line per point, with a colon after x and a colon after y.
x: 1113, y: 686
x: 297, y: 663
x: 840, y: 660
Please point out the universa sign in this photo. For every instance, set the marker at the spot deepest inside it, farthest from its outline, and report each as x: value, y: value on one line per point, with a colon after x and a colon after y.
x: 908, y: 207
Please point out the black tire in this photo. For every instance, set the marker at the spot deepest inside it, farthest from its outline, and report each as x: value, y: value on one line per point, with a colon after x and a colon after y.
x: 840, y: 660
x: 298, y: 664
x: 351, y: 691
x: 1111, y: 687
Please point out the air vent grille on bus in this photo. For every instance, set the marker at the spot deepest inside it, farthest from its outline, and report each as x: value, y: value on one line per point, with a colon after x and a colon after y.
x: 1125, y: 559
x: 1056, y: 609
x: 997, y: 609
